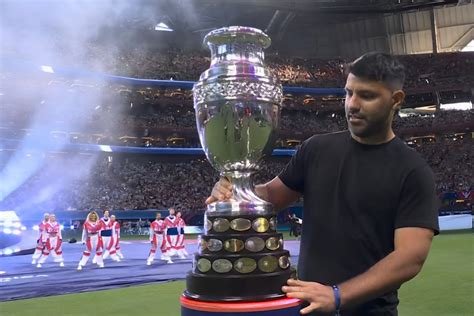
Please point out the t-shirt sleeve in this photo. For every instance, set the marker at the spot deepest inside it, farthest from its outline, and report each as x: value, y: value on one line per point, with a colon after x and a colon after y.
x: 419, y: 204
x: 293, y: 174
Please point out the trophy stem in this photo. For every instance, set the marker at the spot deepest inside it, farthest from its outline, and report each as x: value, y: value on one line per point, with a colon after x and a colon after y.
x: 242, y: 186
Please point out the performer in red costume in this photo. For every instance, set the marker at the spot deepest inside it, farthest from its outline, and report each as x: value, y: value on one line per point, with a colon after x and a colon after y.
x: 105, y: 234
x: 116, y: 227
x: 172, y: 235
x: 182, y: 253
x: 109, y: 236
x: 52, y: 229
x: 41, y: 239
x: 157, y: 240
x: 92, y: 239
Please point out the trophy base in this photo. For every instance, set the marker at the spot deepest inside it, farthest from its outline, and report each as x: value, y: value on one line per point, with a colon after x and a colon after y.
x: 233, y: 288
x: 277, y: 307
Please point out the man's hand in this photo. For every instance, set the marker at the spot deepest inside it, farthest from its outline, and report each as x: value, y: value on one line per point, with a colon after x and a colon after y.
x: 320, y: 297
x: 222, y: 191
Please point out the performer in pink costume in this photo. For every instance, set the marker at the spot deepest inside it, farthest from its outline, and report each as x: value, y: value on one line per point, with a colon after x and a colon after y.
x: 53, y: 243
x: 41, y: 239
x: 92, y: 239
x: 157, y: 240
x: 117, y: 243
x: 116, y: 226
x: 182, y: 253
x: 172, y: 235
x: 105, y: 234
x: 110, y: 242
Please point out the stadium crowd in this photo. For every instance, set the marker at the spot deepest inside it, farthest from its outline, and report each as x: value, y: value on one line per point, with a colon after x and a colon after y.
x: 137, y: 117
x: 129, y: 182
x: 426, y: 70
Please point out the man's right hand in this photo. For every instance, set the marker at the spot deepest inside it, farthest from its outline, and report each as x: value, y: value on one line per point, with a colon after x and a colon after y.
x: 222, y: 191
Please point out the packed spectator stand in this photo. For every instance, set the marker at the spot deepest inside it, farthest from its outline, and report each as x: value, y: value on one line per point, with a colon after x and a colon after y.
x: 113, y: 114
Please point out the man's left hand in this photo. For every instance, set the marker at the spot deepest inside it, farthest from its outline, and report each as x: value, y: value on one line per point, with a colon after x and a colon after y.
x: 320, y: 297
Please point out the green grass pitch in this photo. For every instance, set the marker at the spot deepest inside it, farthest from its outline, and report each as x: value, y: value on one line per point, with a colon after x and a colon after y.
x: 445, y: 287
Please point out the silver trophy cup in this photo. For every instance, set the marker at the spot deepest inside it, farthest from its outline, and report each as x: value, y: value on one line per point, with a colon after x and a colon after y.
x: 237, y: 103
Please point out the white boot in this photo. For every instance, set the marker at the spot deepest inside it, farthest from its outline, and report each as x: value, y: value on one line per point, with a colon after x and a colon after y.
x: 38, y: 265
x: 61, y: 264
x: 33, y: 261
x: 181, y: 254
x: 114, y: 257
x: 79, y: 267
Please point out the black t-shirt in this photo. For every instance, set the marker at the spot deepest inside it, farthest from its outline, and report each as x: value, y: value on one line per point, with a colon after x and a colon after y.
x: 355, y: 196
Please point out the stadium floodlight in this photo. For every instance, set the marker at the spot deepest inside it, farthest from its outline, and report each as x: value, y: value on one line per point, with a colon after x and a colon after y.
x: 163, y: 27
x: 47, y: 69
x: 457, y: 106
x: 105, y: 148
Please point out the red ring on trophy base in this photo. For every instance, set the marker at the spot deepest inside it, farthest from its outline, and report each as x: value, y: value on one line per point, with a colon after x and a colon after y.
x: 282, y: 306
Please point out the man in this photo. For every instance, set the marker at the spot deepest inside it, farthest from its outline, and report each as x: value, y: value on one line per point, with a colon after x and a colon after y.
x: 157, y: 240
x: 370, y: 208
x: 295, y: 224
x: 41, y: 239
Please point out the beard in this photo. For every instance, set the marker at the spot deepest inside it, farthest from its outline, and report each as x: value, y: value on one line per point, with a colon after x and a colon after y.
x: 366, y: 128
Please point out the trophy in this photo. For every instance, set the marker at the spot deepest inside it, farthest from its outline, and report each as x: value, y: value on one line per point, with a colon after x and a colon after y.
x: 237, y: 102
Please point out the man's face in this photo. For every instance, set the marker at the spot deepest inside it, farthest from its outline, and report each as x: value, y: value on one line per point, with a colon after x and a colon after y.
x: 172, y: 211
x: 178, y: 214
x: 106, y: 214
x: 52, y: 218
x: 158, y: 216
x: 368, y: 107
x: 46, y: 217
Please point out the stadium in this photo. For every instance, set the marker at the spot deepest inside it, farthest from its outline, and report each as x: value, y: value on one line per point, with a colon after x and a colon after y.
x: 97, y: 114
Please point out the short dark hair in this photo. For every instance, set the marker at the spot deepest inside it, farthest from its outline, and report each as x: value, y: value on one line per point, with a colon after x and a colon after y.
x: 377, y: 66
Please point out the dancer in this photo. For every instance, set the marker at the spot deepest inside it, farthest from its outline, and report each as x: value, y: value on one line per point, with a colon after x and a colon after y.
x: 171, y: 235
x: 116, y: 226
x: 105, y: 233
x: 53, y: 243
x: 182, y: 253
x: 157, y: 240
x: 110, y: 242
x: 41, y: 239
x: 92, y: 239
